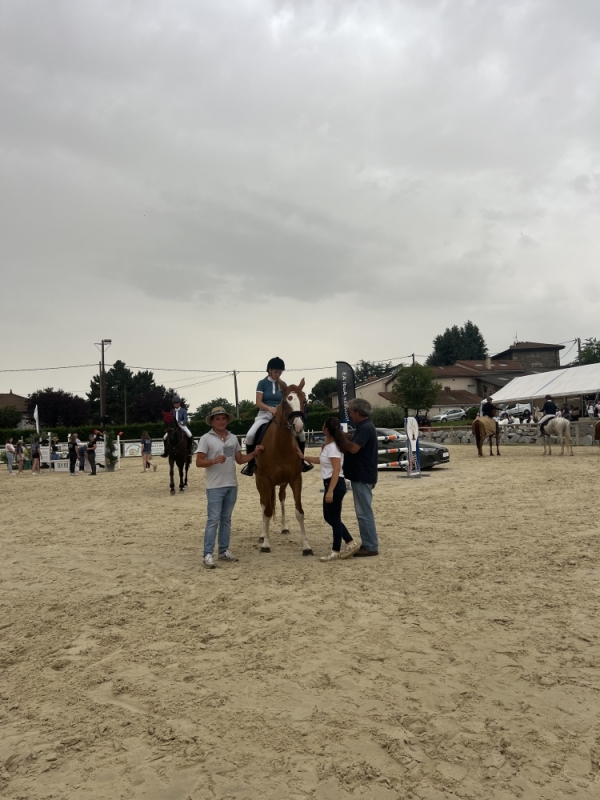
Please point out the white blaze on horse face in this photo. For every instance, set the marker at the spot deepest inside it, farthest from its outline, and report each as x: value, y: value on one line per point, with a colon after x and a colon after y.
x: 293, y: 401
x: 298, y: 424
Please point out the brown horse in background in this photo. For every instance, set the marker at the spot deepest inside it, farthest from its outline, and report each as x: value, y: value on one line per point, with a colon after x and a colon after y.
x: 482, y: 428
x: 278, y: 464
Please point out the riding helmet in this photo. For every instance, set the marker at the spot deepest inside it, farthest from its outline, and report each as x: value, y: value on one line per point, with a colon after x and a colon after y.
x: 276, y: 363
x: 176, y: 398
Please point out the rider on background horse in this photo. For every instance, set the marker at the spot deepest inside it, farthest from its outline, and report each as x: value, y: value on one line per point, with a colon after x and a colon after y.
x: 549, y: 410
x: 180, y: 417
x: 268, y: 397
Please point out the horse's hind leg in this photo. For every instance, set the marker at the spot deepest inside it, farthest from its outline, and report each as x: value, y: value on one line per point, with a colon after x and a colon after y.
x: 497, y: 444
x: 491, y: 446
x: 284, y: 526
x: 171, y: 475
x: 181, y: 486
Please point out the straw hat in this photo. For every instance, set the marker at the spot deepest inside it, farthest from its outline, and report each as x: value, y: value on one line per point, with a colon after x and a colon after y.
x: 218, y: 410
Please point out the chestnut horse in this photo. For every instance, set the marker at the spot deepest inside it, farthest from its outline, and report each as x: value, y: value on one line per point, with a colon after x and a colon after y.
x: 278, y: 464
x: 486, y: 427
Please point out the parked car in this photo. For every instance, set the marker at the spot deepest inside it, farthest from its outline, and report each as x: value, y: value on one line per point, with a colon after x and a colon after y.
x: 432, y: 454
x: 449, y: 416
x: 517, y: 410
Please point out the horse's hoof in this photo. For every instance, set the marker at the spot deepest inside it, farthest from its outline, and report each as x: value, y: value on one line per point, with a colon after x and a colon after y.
x: 308, y: 552
x: 265, y: 549
x: 285, y: 530
x: 172, y: 491
x: 181, y: 491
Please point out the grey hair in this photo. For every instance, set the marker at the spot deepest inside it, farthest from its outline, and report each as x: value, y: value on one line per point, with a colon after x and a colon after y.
x: 362, y: 407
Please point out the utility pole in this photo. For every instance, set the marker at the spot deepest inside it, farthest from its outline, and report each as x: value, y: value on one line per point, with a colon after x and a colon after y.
x: 413, y: 358
x: 237, y: 402
x: 104, y: 344
x: 579, y: 350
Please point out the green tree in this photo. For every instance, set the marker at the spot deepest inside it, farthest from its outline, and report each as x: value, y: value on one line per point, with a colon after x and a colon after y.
x: 133, y: 394
x: 248, y: 409
x: 366, y: 369
x: 58, y: 409
x: 415, y: 387
x: 204, y: 410
x: 322, y: 391
x: 590, y: 352
x: 466, y: 343
x: 9, y: 417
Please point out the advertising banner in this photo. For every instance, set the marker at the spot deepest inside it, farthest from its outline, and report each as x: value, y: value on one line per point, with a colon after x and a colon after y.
x: 345, y: 389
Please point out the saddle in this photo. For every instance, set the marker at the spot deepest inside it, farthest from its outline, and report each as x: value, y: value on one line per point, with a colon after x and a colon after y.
x: 260, y: 433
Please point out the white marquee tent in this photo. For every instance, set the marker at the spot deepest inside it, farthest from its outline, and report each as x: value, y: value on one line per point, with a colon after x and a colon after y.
x: 569, y: 382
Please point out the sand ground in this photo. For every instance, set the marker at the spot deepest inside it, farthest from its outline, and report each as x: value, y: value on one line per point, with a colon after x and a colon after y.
x: 460, y: 663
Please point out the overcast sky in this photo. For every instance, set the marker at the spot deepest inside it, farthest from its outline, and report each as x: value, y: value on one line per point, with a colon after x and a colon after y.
x: 210, y: 184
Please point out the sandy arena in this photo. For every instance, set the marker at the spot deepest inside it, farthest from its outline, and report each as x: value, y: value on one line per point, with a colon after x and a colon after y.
x: 460, y: 663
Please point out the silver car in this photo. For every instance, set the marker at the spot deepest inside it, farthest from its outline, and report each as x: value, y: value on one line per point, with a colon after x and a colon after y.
x: 449, y: 416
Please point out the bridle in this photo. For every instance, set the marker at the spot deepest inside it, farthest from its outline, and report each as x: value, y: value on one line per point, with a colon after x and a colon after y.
x: 290, y: 418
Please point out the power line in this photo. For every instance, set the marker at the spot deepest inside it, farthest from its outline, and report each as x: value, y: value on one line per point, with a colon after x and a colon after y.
x: 42, y: 369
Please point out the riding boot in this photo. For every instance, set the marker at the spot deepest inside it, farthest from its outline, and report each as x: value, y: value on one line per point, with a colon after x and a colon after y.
x: 190, y: 446
x: 306, y: 467
x: 248, y: 469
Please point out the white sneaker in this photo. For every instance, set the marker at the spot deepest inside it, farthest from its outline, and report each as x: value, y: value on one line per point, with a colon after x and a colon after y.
x: 227, y: 556
x: 209, y: 561
x: 351, y: 548
x: 333, y: 556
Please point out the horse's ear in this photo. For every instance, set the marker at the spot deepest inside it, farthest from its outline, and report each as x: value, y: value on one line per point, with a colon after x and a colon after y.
x: 282, y: 386
x: 301, y: 384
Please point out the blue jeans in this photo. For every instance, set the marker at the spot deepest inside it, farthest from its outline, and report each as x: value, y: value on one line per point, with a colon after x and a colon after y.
x: 362, y: 494
x: 218, y: 516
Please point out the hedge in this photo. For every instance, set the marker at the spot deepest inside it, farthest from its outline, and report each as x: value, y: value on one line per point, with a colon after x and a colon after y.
x: 155, y: 429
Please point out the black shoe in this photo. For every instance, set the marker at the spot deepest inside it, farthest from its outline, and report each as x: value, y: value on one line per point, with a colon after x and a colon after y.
x: 164, y: 455
x: 363, y: 553
x: 306, y: 467
x: 248, y: 469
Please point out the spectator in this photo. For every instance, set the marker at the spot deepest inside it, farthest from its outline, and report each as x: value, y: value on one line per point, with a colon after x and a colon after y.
x: 566, y: 412
x: 10, y: 455
x: 73, y: 450
x: 81, y: 451
x: 591, y: 410
x: 575, y: 413
x: 361, y: 469
x: 146, y: 448
x: 35, y: 457
x: 20, y: 450
x: 527, y: 416
x: 91, y: 453
x: 218, y: 453
x: 332, y: 473
x: 597, y: 409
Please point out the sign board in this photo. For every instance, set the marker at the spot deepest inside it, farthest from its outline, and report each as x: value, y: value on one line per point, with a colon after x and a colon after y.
x: 411, y: 426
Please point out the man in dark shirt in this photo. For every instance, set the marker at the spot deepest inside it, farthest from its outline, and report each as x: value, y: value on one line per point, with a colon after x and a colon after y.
x: 549, y: 412
x: 360, y: 467
x: 488, y: 409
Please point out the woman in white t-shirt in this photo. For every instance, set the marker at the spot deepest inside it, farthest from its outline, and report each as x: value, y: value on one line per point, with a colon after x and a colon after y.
x: 331, y: 461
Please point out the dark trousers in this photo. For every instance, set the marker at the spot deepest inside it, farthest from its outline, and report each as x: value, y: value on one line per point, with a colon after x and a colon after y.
x: 92, y: 459
x: 72, y: 462
x: 332, y: 513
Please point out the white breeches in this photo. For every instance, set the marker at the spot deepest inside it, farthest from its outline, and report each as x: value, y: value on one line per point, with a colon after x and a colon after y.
x: 261, y: 418
x: 185, y: 429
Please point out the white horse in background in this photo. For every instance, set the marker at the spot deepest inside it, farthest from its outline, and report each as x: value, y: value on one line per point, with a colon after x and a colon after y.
x: 560, y: 428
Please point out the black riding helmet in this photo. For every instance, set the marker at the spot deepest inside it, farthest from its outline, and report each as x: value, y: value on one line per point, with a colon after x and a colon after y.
x: 276, y: 363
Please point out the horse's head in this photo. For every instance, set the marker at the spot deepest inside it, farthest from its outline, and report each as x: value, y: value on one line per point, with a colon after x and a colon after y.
x: 294, y: 402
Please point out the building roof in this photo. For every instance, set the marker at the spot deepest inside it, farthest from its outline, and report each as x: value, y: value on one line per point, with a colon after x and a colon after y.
x: 529, y: 346
x: 508, y: 365
x: 455, y: 371
x: 457, y: 397
x: 10, y: 399
x: 454, y: 397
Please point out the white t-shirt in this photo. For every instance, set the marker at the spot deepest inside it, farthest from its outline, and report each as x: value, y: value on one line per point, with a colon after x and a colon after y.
x: 222, y: 475
x: 330, y: 451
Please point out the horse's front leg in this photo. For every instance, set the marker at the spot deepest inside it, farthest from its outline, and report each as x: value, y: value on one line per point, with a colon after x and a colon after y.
x: 171, y: 474
x: 297, y: 490
x: 497, y: 444
x: 266, y: 522
x: 187, y: 466
x: 181, y: 486
x: 284, y: 525
x: 491, y: 446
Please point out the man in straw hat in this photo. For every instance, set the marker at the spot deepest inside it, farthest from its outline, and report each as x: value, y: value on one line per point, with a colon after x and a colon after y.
x: 218, y: 453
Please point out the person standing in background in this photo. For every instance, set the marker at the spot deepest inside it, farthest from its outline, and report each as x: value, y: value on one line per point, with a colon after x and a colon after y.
x: 81, y: 448
x: 35, y: 457
x: 73, y: 450
x: 20, y: 448
x: 360, y: 467
x: 146, y: 448
x: 91, y: 453
x: 10, y: 455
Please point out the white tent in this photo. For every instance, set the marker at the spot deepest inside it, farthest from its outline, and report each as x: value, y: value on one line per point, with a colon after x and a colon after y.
x: 567, y: 382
